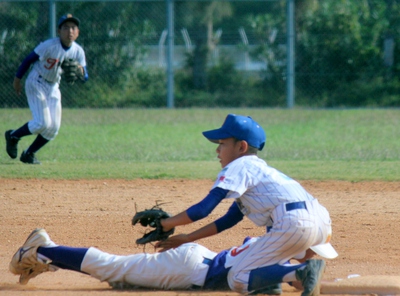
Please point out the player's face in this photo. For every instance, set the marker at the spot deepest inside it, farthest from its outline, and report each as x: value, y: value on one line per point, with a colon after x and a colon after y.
x: 228, y: 150
x: 68, y: 32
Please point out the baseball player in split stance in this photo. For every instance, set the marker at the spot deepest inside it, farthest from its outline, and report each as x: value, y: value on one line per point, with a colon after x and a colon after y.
x: 42, y: 88
x: 294, y: 220
x: 189, y: 266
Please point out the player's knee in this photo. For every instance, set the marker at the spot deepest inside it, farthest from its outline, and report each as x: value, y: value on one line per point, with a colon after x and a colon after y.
x: 235, y: 283
x: 39, y: 127
x: 49, y: 134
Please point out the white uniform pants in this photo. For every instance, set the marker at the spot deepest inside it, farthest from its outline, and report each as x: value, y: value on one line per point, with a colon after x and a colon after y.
x: 44, y: 99
x: 292, y: 232
x: 178, y: 268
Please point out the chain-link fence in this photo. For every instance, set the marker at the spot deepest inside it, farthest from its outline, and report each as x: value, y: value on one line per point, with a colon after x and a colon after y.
x: 225, y: 53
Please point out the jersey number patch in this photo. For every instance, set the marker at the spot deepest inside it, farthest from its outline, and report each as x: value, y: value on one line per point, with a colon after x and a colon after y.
x: 51, y: 62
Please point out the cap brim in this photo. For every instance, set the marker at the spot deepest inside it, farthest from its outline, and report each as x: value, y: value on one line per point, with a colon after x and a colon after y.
x: 325, y: 250
x: 215, y: 135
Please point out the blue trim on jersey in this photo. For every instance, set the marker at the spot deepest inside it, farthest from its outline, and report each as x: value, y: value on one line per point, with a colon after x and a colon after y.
x: 231, y: 218
x: 26, y: 63
x: 217, y: 275
x: 66, y: 48
x: 269, y: 275
x: 207, y: 205
x: 86, y: 75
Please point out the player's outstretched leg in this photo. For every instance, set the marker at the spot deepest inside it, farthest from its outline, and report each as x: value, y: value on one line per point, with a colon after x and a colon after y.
x: 311, y: 276
x: 25, y: 262
x: 11, y: 144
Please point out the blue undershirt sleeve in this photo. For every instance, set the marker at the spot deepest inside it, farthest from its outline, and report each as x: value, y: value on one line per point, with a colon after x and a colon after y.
x: 231, y: 218
x: 26, y: 63
x: 207, y: 205
x: 86, y: 75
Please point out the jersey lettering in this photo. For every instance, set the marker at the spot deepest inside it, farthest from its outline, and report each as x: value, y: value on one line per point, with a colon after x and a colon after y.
x: 51, y: 63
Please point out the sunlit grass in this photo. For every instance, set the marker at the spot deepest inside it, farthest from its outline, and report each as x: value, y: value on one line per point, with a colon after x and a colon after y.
x: 352, y: 144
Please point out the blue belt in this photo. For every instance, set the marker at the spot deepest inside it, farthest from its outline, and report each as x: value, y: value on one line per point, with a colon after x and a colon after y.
x: 290, y: 207
x: 40, y: 76
x: 207, y: 261
x: 295, y: 206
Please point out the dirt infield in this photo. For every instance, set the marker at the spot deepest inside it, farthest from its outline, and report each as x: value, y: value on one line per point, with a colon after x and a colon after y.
x: 366, y: 218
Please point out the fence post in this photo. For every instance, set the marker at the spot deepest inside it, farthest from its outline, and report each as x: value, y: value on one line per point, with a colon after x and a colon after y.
x: 52, y: 19
x: 290, y: 84
x: 170, y: 58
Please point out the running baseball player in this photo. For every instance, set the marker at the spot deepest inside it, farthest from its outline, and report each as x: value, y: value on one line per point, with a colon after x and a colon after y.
x: 42, y: 88
x: 294, y: 220
x: 190, y: 266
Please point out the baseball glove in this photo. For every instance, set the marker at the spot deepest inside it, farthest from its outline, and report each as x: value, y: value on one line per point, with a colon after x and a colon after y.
x: 152, y: 217
x: 71, y: 71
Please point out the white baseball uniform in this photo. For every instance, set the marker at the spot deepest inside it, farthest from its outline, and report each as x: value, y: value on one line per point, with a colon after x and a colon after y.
x: 42, y: 86
x: 179, y: 268
x: 271, y: 199
x: 188, y: 266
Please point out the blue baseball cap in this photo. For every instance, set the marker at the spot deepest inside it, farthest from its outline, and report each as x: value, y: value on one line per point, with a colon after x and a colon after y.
x: 68, y: 17
x: 239, y: 127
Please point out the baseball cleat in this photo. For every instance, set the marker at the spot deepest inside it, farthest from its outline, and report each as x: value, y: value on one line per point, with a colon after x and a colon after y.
x: 25, y: 262
x: 269, y: 290
x: 11, y: 144
x: 29, y: 157
x: 311, y: 276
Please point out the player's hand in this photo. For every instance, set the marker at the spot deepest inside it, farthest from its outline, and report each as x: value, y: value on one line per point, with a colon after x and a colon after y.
x: 172, y: 242
x: 17, y: 85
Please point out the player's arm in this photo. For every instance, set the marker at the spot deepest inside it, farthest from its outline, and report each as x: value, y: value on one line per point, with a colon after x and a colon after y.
x: 85, y: 74
x: 197, y: 211
x: 194, y: 213
x: 231, y: 218
x: 22, y: 69
x: 83, y: 67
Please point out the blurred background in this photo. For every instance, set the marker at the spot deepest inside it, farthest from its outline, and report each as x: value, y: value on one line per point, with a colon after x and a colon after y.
x: 225, y: 53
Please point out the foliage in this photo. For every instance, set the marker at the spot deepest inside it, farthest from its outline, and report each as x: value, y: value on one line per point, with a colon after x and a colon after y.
x: 23, y: 17
x: 375, y: 93
x: 139, y: 88
x: 227, y: 87
x: 339, y: 53
x: 121, y: 47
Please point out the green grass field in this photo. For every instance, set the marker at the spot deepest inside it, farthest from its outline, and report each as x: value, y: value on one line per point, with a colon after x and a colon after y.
x: 353, y: 145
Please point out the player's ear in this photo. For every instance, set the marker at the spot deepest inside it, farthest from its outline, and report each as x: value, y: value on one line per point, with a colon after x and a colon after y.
x: 244, y: 146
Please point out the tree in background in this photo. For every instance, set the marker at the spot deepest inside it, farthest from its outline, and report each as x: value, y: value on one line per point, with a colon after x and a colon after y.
x: 201, y: 21
x: 340, y: 49
x: 339, y: 45
x: 19, y: 23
